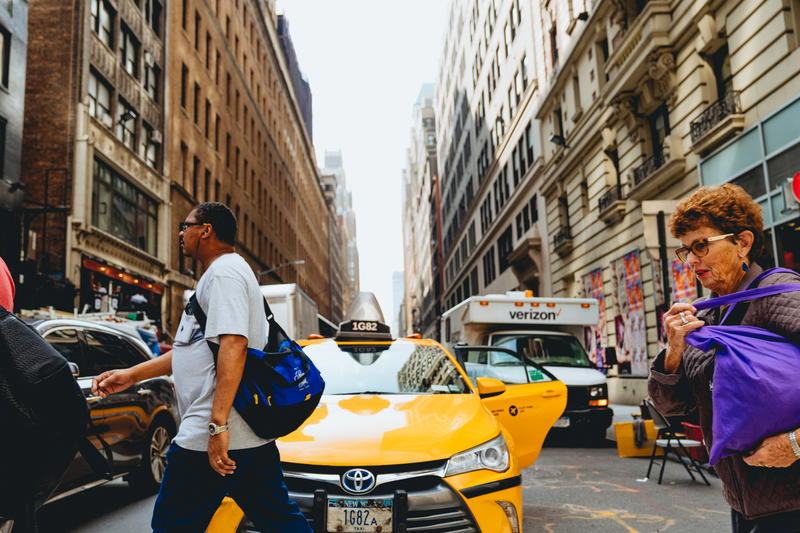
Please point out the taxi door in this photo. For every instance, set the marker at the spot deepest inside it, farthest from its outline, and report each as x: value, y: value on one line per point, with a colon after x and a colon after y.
x: 534, y: 399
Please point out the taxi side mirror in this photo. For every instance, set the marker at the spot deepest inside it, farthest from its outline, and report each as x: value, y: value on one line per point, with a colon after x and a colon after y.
x: 488, y: 387
x: 74, y: 369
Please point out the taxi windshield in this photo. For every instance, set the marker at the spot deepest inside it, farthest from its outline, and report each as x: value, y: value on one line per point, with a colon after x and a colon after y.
x: 545, y: 349
x: 398, y: 367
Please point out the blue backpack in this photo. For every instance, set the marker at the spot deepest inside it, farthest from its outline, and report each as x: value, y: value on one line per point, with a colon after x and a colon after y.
x: 280, y: 386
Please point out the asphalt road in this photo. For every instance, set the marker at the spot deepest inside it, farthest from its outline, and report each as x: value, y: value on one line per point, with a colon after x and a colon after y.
x: 568, y: 490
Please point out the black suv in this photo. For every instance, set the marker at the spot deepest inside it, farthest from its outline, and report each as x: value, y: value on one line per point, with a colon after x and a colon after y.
x: 138, y: 424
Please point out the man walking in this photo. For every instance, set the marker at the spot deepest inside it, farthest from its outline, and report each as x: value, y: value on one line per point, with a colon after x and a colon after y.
x: 215, y: 453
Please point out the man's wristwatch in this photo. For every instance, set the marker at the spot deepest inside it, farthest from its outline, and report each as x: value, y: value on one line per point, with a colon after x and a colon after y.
x: 793, y: 442
x: 214, y: 429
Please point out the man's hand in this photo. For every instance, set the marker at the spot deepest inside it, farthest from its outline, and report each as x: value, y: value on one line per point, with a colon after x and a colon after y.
x: 218, y: 454
x: 775, y: 452
x: 112, y: 381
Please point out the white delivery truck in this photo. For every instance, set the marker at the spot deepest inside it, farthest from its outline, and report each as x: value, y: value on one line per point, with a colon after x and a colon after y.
x: 294, y: 310
x: 543, y: 330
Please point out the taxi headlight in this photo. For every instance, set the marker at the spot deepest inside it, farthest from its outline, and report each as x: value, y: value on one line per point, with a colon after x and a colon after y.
x: 492, y: 455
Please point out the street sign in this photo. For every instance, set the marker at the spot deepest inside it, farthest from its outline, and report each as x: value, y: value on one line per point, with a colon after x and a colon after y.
x: 796, y: 186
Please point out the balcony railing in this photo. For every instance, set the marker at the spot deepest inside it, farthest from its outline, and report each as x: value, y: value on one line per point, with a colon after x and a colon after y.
x: 609, y: 197
x: 716, y: 113
x: 650, y: 165
x: 562, y: 241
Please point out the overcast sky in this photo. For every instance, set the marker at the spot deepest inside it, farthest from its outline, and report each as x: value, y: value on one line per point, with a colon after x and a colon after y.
x: 366, y: 61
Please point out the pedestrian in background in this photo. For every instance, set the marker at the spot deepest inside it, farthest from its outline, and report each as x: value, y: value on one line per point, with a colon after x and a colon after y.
x: 721, y: 229
x: 215, y: 453
x: 7, y: 288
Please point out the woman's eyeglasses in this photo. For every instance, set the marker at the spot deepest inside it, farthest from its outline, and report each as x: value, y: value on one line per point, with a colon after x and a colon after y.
x: 183, y: 226
x: 699, y: 248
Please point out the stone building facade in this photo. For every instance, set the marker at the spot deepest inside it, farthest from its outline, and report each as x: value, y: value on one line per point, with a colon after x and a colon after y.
x: 237, y: 136
x: 568, y: 131
x: 92, y: 155
x: 641, y: 103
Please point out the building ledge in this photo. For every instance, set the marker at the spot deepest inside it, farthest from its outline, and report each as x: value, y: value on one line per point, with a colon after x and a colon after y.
x: 612, y: 207
x: 659, y: 179
x: 719, y: 122
x: 562, y: 241
x: 631, y: 56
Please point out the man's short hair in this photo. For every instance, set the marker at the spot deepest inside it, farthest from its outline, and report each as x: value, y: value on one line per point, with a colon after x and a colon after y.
x: 221, y: 219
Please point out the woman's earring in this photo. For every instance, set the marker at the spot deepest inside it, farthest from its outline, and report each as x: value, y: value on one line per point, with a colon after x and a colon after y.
x: 745, y: 267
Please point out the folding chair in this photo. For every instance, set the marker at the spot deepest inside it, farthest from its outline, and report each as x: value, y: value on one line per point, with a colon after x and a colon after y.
x: 666, y: 438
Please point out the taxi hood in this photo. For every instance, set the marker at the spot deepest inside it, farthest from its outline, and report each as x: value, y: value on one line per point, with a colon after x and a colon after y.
x: 368, y: 429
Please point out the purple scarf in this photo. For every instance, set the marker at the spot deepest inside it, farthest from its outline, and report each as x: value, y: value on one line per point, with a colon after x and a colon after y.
x: 755, y: 389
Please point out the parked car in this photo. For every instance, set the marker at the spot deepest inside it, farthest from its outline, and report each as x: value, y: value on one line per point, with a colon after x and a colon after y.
x: 138, y: 424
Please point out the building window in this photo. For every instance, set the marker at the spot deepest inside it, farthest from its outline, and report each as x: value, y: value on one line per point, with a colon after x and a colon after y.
x: 534, y: 208
x: 103, y: 21
x: 152, y: 14
x: 126, y: 124
x: 529, y: 142
x: 558, y: 122
x: 100, y: 99
x: 121, y: 209
x: 721, y: 64
x: 152, y: 145
x: 197, y: 23
x: 152, y: 81
x: 489, y: 269
x: 196, y: 103
x: 129, y: 51
x: 473, y: 276
x: 659, y: 128
x: 3, y: 123
x: 504, y: 247
x: 553, y: 46
x: 207, y: 128
x: 5, y: 56
x: 184, y: 12
x: 184, y: 85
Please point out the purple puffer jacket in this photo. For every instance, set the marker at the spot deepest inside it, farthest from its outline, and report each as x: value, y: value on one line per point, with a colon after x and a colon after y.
x: 753, y: 491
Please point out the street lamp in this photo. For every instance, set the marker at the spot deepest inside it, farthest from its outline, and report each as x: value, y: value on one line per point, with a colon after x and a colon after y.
x: 277, y: 267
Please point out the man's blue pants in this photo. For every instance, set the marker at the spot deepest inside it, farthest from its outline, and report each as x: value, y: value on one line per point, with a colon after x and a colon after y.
x: 191, y: 492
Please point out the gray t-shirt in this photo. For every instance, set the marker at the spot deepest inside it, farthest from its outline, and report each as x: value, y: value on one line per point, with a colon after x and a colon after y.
x: 229, y: 295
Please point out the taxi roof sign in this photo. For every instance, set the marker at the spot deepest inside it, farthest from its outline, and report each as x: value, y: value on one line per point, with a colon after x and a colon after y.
x: 364, y: 320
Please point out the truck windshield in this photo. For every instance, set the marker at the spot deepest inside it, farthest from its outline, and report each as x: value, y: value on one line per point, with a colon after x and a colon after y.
x: 545, y: 349
x: 397, y: 367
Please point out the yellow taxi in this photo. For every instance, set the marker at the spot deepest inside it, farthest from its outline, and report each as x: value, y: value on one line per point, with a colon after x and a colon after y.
x: 404, y: 441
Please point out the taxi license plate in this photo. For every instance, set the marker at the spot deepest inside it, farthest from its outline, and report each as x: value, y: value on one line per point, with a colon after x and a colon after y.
x: 351, y: 515
x: 562, y: 422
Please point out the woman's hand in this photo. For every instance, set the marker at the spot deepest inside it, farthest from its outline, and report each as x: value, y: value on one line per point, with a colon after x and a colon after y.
x: 775, y: 452
x: 678, y: 321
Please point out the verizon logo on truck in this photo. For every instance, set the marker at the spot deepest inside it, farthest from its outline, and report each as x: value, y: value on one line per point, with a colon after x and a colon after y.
x: 534, y: 315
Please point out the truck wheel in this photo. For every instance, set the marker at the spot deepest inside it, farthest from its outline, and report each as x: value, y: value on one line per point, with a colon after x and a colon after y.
x: 147, y: 478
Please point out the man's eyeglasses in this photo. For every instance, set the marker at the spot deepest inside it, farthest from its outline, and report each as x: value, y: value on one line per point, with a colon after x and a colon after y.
x: 699, y: 248
x: 183, y: 226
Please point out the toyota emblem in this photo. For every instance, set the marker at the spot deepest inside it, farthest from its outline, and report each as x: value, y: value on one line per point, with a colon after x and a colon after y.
x: 358, y: 481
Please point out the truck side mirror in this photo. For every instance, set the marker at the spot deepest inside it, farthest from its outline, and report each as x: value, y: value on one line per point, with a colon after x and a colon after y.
x: 611, y: 356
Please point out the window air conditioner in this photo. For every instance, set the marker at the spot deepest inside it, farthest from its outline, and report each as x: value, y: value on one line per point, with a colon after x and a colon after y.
x: 155, y: 136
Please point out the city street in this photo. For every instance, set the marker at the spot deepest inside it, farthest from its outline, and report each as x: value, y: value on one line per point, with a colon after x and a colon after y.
x: 568, y: 490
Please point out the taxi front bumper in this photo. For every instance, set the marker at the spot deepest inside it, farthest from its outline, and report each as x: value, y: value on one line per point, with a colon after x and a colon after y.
x: 425, y: 503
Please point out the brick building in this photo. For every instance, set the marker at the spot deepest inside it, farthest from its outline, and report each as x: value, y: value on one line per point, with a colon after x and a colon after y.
x: 236, y: 135
x: 92, y: 154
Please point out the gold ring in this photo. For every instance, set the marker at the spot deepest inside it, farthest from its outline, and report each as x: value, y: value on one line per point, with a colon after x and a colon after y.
x: 219, y: 460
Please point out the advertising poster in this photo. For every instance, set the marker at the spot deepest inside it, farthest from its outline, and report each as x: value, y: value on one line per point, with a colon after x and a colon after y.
x: 630, y: 320
x: 684, y: 284
x: 596, y: 337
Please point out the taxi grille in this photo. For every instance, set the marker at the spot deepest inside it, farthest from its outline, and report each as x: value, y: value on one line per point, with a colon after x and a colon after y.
x: 433, y: 507
x: 451, y: 520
